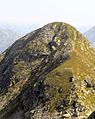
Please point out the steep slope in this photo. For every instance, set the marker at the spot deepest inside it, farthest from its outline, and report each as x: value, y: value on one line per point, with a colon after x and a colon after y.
x: 49, y: 73
x: 90, y: 34
x: 7, y: 37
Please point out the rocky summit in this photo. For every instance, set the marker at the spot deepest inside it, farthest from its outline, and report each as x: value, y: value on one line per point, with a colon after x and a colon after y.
x: 48, y: 74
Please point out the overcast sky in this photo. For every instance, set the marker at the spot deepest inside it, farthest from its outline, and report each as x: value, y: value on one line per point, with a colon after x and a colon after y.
x: 74, y: 12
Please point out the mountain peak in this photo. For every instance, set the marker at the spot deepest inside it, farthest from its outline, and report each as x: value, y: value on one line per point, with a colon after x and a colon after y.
x: 49, y: 73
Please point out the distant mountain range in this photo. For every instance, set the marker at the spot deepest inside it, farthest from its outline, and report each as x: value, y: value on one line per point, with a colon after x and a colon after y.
x: 90, y: 34
x: 7, y: 37
x: 84, y: 28
x: 10, y: 33
x: 21, y: 29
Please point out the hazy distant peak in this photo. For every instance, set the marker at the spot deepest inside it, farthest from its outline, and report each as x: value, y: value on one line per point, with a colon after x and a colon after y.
x: 90, y: 34
x: 7, y: 37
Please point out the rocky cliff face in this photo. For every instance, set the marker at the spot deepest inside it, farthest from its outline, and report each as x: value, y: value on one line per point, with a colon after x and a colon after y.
x: 48, y: 74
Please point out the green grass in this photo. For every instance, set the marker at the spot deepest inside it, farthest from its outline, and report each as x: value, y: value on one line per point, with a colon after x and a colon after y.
x: 58, y: 79
x: 80, y: 65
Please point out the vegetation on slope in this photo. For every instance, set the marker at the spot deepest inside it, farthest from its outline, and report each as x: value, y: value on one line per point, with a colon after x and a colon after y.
x: 53, y: 67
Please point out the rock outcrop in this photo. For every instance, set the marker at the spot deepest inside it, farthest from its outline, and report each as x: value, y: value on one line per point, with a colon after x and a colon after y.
x: 48, y: 74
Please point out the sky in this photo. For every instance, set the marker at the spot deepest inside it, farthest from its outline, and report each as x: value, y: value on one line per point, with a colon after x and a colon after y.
x: 74, y: 12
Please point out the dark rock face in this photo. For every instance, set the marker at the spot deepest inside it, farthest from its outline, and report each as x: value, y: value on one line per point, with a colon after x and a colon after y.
x: 42, y: 76
x: 92, y: 115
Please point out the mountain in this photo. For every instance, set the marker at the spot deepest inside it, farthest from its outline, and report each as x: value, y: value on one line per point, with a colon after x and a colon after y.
x: 90, y: 34
x: 24, y: 29
x: 7, y: 37
x: 48, y: 74
x: 84, y: 28
x: 20, y: 29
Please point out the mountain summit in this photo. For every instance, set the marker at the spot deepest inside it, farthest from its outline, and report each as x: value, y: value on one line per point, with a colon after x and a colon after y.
x: 48, y: 74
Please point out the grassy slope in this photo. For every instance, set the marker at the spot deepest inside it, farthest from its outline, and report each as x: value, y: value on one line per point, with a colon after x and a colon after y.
x: 81, y: 65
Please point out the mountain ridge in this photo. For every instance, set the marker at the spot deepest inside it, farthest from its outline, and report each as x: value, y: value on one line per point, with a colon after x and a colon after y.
x: 49, y: 73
